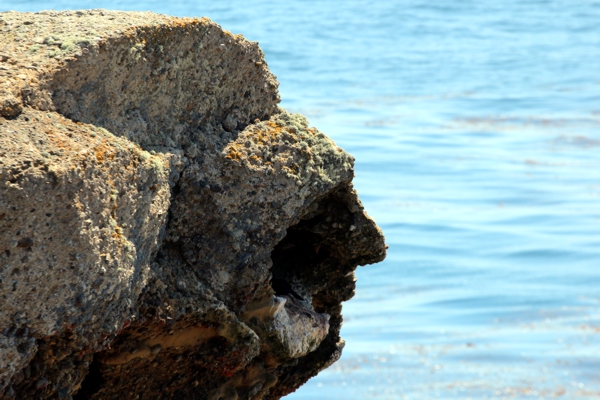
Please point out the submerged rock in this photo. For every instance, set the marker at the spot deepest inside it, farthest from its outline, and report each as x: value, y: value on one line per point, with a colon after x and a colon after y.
x: 166, y: 230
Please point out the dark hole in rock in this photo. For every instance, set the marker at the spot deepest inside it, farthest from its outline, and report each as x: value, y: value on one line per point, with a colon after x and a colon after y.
x: 92, y: 382
x: 22, y: 348
x: 282, y: 288
x: 299, y: 259
x: 25, y: 243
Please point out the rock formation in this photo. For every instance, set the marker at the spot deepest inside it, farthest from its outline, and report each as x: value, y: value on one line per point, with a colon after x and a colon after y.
x: 166, y: 230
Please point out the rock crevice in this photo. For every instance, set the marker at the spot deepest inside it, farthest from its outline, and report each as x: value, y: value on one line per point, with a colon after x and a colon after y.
x: 167, y: 231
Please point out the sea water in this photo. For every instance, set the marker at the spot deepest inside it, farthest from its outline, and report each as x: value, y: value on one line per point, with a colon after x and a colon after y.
x: 476, y: 131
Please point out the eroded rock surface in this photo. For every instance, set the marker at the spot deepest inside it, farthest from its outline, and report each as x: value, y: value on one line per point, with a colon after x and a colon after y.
x: 166, y: 230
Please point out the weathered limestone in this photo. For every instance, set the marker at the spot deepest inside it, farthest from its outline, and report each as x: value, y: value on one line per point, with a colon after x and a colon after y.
x: 166, y: 230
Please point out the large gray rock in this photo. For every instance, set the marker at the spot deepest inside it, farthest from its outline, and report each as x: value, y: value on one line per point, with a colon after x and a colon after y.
x: 166, y: 230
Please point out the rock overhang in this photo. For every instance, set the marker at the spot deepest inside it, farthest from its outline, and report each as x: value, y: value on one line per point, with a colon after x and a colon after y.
x: 195, y: 206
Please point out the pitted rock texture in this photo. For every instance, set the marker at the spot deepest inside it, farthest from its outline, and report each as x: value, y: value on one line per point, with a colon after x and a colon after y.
x: 166, y: 230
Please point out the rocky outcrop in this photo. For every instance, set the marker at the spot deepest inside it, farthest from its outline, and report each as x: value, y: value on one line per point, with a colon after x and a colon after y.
x: 166, y: 230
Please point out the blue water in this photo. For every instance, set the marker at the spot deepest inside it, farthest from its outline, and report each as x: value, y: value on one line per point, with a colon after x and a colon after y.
x: 476, y: 130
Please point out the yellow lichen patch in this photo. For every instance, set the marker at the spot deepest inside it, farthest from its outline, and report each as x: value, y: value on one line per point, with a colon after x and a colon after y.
x: 269, y: 135
x: 60, y: 140
x: 233, y: 153
x: 307, y: 151
x: 264, y: 133
x: 291, y: 170
x: 103, y: 153
x: 183, y: 22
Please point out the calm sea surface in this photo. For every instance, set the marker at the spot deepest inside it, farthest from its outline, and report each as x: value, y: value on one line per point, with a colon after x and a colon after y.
x: 476, y: 130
